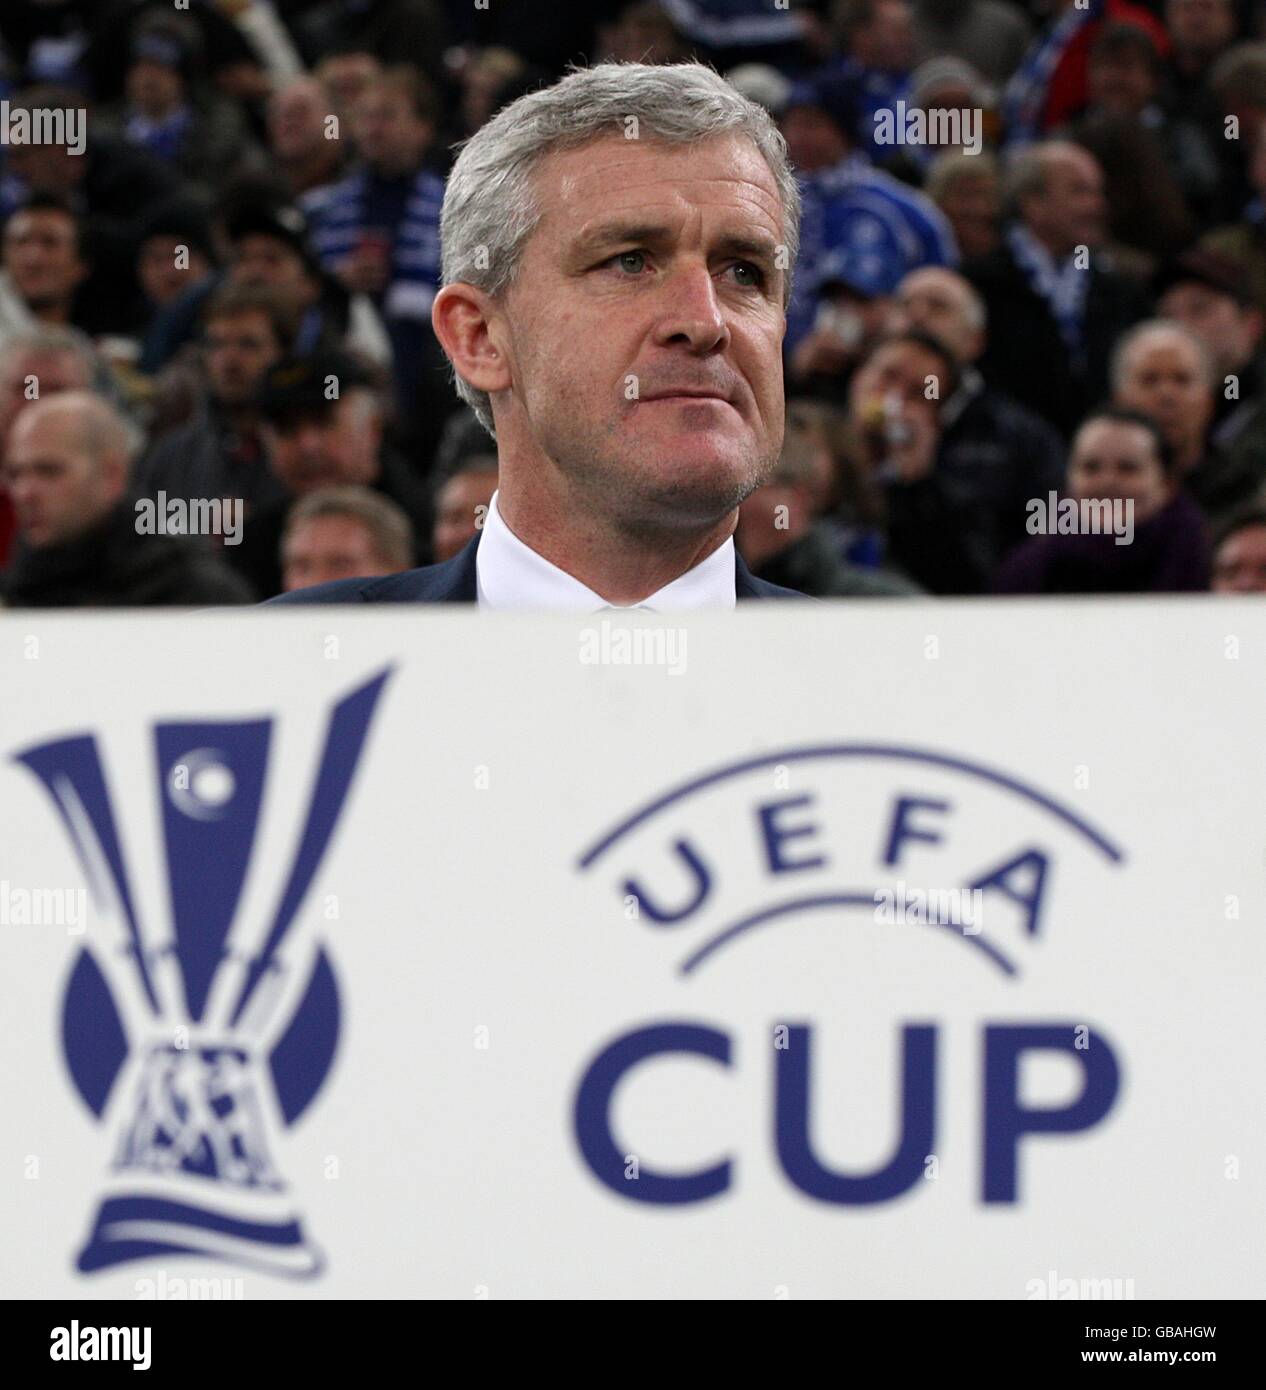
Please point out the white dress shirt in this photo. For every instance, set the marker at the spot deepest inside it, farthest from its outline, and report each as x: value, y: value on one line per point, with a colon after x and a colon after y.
x: 511, y: 575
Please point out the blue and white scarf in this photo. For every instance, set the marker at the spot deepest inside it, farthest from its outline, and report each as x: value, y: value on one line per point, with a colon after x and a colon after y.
x: 1024, y: 100
x: 1062, y: 287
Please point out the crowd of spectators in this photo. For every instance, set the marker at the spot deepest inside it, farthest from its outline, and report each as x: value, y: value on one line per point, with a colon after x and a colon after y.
x: 1060, y: 296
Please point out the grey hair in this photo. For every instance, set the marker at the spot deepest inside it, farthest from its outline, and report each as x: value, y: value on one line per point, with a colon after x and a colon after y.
x: 1149, y: 328
x: 390, y: 530
x: 951, y: 165
x: 45, y: 341
x: 490, y: 206
x: 1027, y: 170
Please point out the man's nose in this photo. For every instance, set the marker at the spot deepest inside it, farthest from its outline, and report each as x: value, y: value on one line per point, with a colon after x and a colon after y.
x: 310, y: 438
x: 691, y: 310
x: 22, y: 489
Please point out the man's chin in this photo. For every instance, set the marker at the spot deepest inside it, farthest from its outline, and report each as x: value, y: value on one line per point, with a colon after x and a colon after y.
x: 699, y: 495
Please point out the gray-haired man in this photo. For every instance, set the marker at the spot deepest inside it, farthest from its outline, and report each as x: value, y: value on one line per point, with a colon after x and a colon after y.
x: 617, y: 254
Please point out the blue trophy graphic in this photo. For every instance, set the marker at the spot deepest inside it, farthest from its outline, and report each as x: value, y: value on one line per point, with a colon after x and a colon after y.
x: 194, y: 1036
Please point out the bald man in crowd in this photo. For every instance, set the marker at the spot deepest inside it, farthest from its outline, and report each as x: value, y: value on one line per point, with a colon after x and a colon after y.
x: 994, y: 454
x: 81, y: 540
x: 1165, y: 372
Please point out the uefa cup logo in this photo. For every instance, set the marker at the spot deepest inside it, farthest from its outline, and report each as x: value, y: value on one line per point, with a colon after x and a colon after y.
x: 193, y: 1036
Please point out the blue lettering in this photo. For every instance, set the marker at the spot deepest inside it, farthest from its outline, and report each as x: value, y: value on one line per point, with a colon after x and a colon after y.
x: 593, y: 1113
x: 1006, y: 1120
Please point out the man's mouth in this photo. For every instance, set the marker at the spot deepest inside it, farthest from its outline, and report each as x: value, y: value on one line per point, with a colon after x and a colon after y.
x: 687, y: 398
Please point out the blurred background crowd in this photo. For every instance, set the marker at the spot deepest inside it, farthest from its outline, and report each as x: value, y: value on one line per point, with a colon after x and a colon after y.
x: 257, y: 210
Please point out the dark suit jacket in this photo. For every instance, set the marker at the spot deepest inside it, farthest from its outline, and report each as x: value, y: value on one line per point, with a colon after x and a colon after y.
x: 454, y: 582
x: 1026, y: 358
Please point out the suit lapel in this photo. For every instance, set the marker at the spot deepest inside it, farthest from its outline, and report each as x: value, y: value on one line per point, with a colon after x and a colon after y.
x: 744, y: 582
x: 458, y: 583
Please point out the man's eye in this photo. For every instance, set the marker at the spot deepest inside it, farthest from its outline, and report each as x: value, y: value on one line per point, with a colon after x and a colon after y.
x: 625, y: 256
x: 747, y: 268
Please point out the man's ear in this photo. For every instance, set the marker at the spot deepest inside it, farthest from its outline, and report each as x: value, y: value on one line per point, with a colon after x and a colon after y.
x: 115, y: 473
x: 374, y: 428
x: 462, y: 318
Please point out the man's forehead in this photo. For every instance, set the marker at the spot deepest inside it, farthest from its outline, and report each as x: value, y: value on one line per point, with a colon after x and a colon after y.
x: 38, y: 220
x: 1114, y: 438
x: 611, y: 175
x: 1072, y: 164
x: 900, y: 356
x: 50, y: 433
x: 1164, y: 350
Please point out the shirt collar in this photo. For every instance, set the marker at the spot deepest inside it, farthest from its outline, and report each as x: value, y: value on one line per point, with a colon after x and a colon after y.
x: 511, y: 575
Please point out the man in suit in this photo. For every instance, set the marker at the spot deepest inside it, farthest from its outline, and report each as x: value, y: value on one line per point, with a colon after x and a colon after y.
x: 1055, y: 304
x: 617, y: 254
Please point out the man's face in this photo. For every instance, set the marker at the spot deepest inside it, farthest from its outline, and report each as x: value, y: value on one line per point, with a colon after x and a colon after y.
x: 346, y: 77
x: 41, y: 255
x: 387, y: 131
x: 814, y: 141
x: 644, y: 328
x: 296, y: 119
x: 1122, y: 83
x: 972, y: 206
x: 1239, y: 567
x: 1069, y: 212
x: 161, y: 278
x: 1113, y: 459
x: 1163, y: 378
x: 239, y: 350
x: 154, y: 88
x: 939, y: 303
x: 268, y: 261
x: 330, y: 547
x: 59, y: 491
x: 887, y: 42
x: 897, y: 371
x: 51, y: 372
x: 458, y: 511
x: 1200, y: 27
x: 335, y: 447
x: 1228, y: 330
